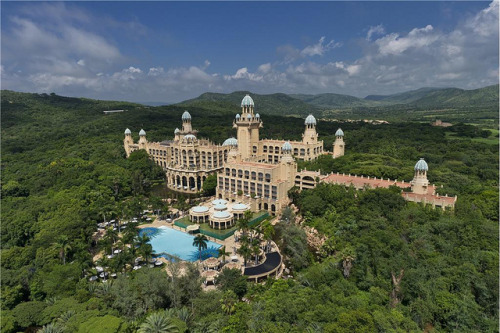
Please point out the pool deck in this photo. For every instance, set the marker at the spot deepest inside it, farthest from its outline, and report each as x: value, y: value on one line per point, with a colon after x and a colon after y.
x: 229, y: 242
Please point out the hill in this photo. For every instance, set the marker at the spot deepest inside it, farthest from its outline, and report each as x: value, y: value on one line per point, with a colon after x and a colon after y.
x: 453, y: 97
x: 331, y: 100
x: 275, y: 104
x: 403, y: 97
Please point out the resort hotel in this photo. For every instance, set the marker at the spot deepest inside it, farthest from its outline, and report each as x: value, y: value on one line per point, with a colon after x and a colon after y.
x: 256, y: 174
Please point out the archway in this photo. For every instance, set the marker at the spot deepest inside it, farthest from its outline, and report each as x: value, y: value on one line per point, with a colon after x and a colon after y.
x: 198, y: 183
x: 184, y: 181
x: 266, y: 206
x: 192, y: 183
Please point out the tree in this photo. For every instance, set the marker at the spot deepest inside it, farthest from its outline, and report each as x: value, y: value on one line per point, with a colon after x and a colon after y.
x: 158, y: 322
x: 209, y: 185
x: 51, y: 328
x: 223, y: 253
x: 268, y: 232
x: 228, y: 302
x: 200, y: 241
x: 232, y: 279
x: 63, y: 246
x: 244, y: 223
x: 245, y: 249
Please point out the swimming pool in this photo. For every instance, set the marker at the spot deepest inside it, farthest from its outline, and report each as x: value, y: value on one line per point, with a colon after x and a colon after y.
x: 177, y: 243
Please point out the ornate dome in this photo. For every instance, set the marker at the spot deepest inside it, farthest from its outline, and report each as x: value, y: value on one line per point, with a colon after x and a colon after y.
x: 286, y: 146
x: 186, y: 116
x: 220, y: 207
x: 249, y: 116
x: 238, y: 116
x: 200, y: 209
x: 247, y: 101
x: 257, y: 116
x: 142, y: 132
x: 310, y: 120
x: 339, y: 132
x: 176, y: 131
x: 221, y: 215
x: 231, y: 142
x: 127, y: 132
x: 421, y: 165
x: 189, y: 137
x: 240, y: 206
x: 219, y: 202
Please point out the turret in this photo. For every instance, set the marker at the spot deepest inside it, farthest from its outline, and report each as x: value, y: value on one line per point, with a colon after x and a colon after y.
x: 142, y: 139
x: 233, y: 154
x: 176, y: 134
x: 247, y: 105
x: 288, y: 167
x: 420, y: 184
x: 127, y: 141
x: 338, y: 145
x: 310, y: 135
x: 247, y: 126
x: 186, y: 123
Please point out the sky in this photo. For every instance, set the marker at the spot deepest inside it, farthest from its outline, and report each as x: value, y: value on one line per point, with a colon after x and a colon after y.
x: 173, y: 51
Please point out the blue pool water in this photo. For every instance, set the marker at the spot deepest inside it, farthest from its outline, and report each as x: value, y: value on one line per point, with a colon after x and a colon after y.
x: 167, y: 241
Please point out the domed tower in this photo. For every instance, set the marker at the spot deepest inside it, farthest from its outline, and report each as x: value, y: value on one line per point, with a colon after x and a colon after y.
x: 142, y: 139
x: 310, y: 135
x: 338, y: 145
x: 288, y: 165
x: 176, y: 134
x: 128, y: 141
x: 420, y: 184
x: 247, y: 126
x: 233, y: 154
x: 186, y: 123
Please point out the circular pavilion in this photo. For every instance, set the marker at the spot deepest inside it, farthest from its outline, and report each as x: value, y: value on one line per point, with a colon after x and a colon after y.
x: 199, y: 214
x: 221, y: 220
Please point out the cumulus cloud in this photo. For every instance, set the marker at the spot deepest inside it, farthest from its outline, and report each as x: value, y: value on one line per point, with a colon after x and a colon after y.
x: 73, y: 59
x: 376, y: 30
x: 319, y: 48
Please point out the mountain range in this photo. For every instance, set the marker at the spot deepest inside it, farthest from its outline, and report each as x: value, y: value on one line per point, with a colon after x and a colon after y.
x: 302, y: 104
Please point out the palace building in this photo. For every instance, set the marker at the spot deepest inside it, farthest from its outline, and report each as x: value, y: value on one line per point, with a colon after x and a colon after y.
x: 187, y: 160
x: 257, y: 174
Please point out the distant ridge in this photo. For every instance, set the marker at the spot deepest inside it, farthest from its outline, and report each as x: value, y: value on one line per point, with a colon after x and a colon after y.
x: 278, y: 104
x: 303, y: 104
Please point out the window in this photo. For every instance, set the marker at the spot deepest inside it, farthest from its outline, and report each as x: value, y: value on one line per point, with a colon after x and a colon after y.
x: 254, y: 175
x: 261, y: 177
x: 240, y: 173
x: 268, y: 178
x: 254, y: 149
x: 247, y: 174
x: 265, y: 149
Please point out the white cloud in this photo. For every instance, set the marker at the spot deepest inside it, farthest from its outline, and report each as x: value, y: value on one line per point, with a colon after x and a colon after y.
x: 73, y: 59
x: 416, y: 38
x: 319, y: 48
x: 376, y: 30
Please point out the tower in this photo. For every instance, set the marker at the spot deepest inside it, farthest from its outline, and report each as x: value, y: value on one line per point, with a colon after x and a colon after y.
x: 288, y: 166
x: 233, y: 154
x: 142, y: 139
x: 128, y: 141
x: 176, y: 134
x: 247, y: 126
x: 310, y: 135
x: 420, y: 184
x: 186, y: 123
x: 338, y: 145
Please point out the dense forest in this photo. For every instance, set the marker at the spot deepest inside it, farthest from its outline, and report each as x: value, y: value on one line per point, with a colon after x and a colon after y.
x: 386, y: 266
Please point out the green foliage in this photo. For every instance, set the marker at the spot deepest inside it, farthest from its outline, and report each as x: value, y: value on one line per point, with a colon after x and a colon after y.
x: 231, y: 279
x: 28, y: 314
x: 105, y: 324
x: 209, y: 185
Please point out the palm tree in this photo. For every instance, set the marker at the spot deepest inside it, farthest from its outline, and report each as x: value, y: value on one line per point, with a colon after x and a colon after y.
x: 200, y: 241
x: 244, y: 223
x: 228, y: 302
x: 268, y: 232
x: 223, y: 253
x: 245, y: 250
x: 51, y: 328
x: 62, y: 244
x: 255, y: 248
x: 158, y: 322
